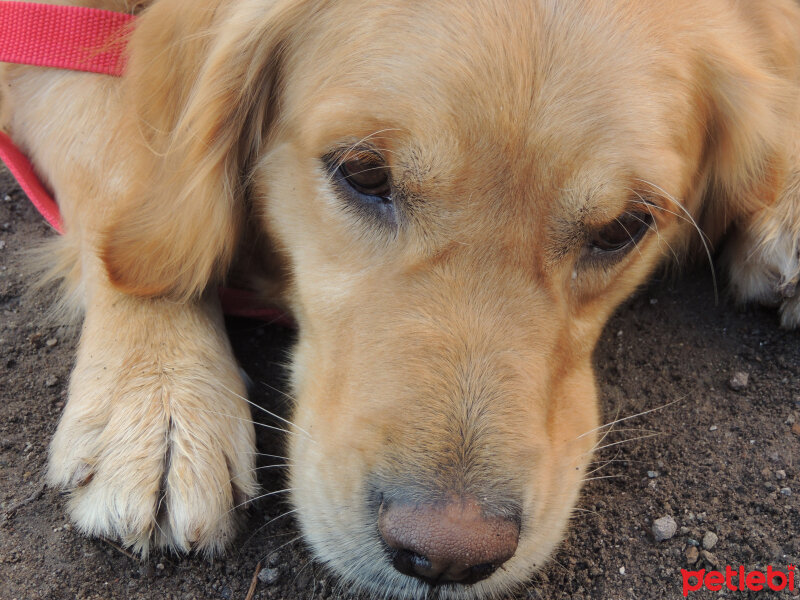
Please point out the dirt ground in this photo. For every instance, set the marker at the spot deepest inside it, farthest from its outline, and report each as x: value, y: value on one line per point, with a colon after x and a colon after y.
x: 713, y: 458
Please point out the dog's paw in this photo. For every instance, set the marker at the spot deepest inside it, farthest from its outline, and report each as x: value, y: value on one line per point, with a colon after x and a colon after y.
x: 764, y: 266
x: 155, y: 460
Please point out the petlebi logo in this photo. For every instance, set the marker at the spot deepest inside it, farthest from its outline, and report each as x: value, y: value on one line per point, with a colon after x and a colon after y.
x: 739, y: 580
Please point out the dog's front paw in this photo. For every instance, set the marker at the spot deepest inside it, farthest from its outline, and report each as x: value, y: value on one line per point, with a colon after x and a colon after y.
x: 155, y: 457
x: 765, y: 267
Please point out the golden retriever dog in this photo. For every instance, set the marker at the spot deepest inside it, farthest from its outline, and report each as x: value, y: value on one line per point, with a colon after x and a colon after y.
x: 451, y: 198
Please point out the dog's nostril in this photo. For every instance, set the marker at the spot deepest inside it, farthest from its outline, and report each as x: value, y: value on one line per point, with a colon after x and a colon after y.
x: 410, y: 563
x: 450, y: 543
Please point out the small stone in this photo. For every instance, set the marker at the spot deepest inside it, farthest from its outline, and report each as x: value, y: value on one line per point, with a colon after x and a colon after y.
x: 160, y: 566
x: 622, y: 570
x: 790, y: 420
x: 2, y: 244
x: 7, y: 198
x: 786, y: 491
x: 51, y: 342
x: 51, y: 381
x: 684, y: 530
x: 269, y: 576
x: 692, y: 542
x: 780, y: 474
x: 739, y: 381
x: 710, y: 540
x: 653, y: 301
x: 796, y: 429
x: 713, y: 428
x: 664, y: 528
x: 652, y: 474
x: 692, y: 554
x: 709, y: 558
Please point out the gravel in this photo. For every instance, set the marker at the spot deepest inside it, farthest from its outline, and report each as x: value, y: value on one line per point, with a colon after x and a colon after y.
x: 710, y: 540
x: 664, y: 528
x: 739, y: 381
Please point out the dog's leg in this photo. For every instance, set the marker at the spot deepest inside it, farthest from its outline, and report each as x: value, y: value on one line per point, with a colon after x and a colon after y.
x: 764, y: 255
x: 155, y: 445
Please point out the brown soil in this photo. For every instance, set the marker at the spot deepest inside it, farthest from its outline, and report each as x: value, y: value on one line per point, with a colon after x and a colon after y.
x: 719, y: 459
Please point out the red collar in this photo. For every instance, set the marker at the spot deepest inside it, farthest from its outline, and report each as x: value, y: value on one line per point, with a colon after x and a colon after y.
x: 66, y: 37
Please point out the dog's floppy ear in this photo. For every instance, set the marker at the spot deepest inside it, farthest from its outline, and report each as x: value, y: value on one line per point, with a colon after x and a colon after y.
x: 200, y: 79
x: 751, y: 87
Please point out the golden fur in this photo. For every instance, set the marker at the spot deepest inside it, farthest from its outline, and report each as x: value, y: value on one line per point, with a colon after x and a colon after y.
x: 449, y: 353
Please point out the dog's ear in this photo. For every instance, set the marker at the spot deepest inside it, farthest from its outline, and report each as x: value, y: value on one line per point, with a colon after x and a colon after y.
x: 200, y: 80
x: 751, y: 88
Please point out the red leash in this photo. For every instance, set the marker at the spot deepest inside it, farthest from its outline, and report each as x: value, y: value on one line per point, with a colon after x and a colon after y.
x: 80, y: 39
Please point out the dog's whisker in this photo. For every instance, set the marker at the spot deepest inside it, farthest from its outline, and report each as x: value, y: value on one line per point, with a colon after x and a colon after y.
x: 261, y: 468
x: 272, y: 427
x: 257, y: 498
x: 640, y: 414
x: 268, y: 412
x: 270, y: 455
x: 654, y: 226
x: 703, y: 236
x: 627, y: 441
x: 264, y: 525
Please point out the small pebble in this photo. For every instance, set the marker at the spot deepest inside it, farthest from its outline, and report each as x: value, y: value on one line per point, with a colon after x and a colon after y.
x: 692, y: 554
x: 710, y: 540
x: 712, y: 428
x: 692, y: 542
x: 739, y: 381
x: 2, y: 244
x: 652, y: 474
x: 786, y: 491
x: 160, y: 566
x: 709, y: 558
x: 622, y: 570
x: 780, y: 474
x: 664, y: 528
x: 796, y: 429
x: 51, y: 381
x: 51, y: 342
x: 7, y: 198
x: 269, y: 576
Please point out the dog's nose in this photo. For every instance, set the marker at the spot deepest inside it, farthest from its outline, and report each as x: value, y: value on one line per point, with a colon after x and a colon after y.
x: 449, y: 543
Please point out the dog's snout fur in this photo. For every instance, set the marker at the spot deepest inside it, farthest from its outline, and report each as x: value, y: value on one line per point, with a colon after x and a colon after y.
x: 451, y: 542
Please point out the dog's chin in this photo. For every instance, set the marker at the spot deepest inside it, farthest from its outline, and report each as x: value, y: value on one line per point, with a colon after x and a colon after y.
x: 337, y: 511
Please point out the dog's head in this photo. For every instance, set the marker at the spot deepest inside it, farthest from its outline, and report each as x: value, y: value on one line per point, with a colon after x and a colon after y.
x: 461, y: 194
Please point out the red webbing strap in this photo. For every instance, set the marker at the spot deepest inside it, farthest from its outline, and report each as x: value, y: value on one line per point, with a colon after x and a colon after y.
x: 22, y: 170
x: 66, y: 37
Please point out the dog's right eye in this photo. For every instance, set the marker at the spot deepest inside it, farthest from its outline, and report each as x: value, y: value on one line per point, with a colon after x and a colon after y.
x: 365, y: 184
x: 367, y: 176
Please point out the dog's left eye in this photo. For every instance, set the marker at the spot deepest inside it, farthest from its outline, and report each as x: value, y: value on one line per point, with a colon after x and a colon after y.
x: 622, y: 233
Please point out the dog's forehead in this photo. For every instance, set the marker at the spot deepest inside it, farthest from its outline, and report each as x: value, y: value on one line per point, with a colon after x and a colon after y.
x: 504, y: 93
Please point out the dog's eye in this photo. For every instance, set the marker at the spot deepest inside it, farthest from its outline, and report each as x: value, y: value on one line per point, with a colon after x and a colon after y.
x: 367, y: 176
x: 622, y: 233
